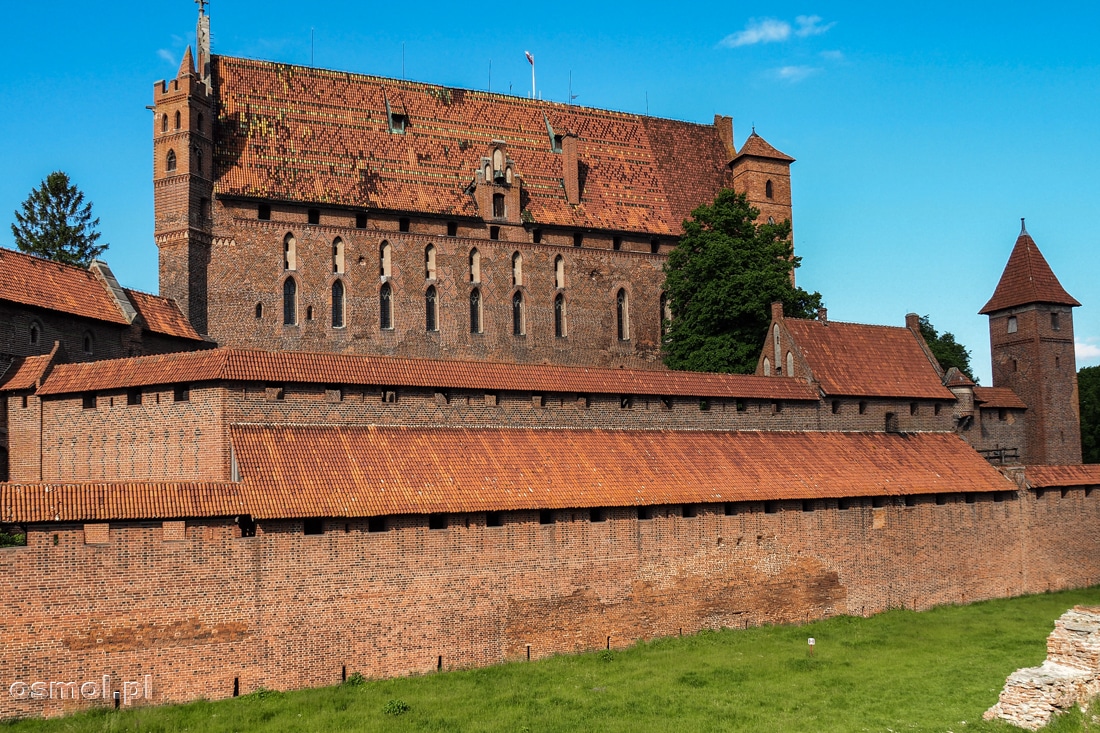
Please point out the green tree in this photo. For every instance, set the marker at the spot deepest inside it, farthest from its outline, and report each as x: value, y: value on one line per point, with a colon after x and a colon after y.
x: 948, y: 352
x: 1088, y: 395
x: 720, y: 282
x: 55, y: 223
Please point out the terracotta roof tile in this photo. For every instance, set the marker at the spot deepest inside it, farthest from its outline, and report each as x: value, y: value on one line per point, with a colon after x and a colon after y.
x: 162, y: 315
x: 352, y: 471
x: 758, y: 147
x: 998, y: 397
x: 1041, y: 477
x: 316, y: 368
x: 53, y: 286
x: 867, y: 361
x: 1027, y: 278
x: 300, y: 134
x: 24, y: 372
x: 956, y: 378
x: 104, y: 501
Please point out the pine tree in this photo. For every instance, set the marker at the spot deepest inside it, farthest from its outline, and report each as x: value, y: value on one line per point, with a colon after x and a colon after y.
x: 721, y: 280
x: 55, y: 223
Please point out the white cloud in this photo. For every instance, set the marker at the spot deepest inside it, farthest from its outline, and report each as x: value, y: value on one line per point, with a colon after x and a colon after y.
x: 810, y: 25
x: 832, y: 55
x: 1087, y: 350
x: 795, y: 74
x: 167, y: 55
x: 767, y: 30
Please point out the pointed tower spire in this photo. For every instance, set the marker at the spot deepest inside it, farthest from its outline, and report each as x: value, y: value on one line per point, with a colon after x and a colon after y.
x: 1023, y: 227
x: 187, y: 66
x: 202, y: 45
x: 1027, y: 278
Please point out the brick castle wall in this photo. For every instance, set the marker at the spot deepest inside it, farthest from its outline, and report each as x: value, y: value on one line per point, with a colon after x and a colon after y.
x: 284, y: 610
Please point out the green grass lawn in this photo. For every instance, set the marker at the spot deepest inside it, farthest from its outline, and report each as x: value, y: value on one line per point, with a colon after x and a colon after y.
x: 899, y: 671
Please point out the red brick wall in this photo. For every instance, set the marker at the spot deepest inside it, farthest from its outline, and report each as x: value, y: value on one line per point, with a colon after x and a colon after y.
x: 284, y: 610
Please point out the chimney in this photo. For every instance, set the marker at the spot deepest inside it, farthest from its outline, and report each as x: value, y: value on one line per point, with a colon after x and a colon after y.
x: 912, y: 322
x: 823, y: 314
x: 777, y: 311
x: 570, y: 168
x: 725, y: 134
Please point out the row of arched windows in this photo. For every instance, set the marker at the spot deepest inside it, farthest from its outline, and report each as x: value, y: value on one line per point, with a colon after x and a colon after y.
x: 179, y: 122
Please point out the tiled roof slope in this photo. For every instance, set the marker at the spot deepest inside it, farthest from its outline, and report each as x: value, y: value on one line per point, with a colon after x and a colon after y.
x: 1041, y: 477
x: 162, y: 315
x: 295, y: 133
x: 998, y: 397
x: 53, y: 286
x: 758, y: 147
x: 106, y: 501
x: 1027, y: 278
x: 24, y: 372
x: 342, y: 471
x: 866, y: 361
x: 301, y: 367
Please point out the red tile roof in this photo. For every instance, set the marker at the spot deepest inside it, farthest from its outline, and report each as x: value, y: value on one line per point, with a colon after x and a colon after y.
x: 301, y: 134
x: 1042, y: 477
x: 301, y: 367
x: 352, y: 471
x: 24, y: 372
x: 105, y: 501
x: 1027, y: 278
x: 162, y: 315
x: 998, y: 397
x: 53, y: 286
x: 866, y: 361
x: 758, y: 147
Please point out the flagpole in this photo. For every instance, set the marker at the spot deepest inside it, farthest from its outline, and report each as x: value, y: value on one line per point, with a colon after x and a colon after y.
x: 532, y: 77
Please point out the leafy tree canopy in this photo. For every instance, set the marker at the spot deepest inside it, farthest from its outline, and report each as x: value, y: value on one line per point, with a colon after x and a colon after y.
x: 55, y: 223
x: 720, y: 282
x: 948, y: 351
x: 1088, y: 395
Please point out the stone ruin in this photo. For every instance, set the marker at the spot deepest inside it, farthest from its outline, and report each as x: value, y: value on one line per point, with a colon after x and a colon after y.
x: 1069, y: 676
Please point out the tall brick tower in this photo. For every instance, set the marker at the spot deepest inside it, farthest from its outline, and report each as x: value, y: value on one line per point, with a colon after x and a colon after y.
x: 1031, y: 340
x: 183, y: 179
x: 764, y: 175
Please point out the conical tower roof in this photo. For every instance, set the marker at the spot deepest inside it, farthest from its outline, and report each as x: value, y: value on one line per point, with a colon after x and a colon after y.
x: 1027, y: 279
x: 758, y: 147
x: 187, y: 66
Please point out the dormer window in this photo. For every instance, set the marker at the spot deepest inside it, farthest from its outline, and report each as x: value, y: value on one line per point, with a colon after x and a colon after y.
x: 557, y: 144
x: 398, y: 123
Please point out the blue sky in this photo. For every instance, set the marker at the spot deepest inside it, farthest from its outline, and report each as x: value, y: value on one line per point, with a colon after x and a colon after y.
x: 922, y: 135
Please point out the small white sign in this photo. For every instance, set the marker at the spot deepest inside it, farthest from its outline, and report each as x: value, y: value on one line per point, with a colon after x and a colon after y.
x: 811, y: 641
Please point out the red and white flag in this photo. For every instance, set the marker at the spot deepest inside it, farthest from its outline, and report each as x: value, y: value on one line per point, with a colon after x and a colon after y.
x: 530, y: 58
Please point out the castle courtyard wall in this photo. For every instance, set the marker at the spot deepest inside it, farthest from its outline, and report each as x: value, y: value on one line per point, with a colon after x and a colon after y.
x: 200, y: 609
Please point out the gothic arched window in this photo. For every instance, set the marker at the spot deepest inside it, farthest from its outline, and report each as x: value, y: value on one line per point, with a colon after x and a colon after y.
x: 475, y: 311
x: 290, y: 302
x: 559, y: 316
x: 385, y: 259
x: 170, y: 161
x: 518, y: 316
x: 622, y: 315
x: 475, y: 266
x: 431, y: 310
x: 338, y: 304
x: 385, y: 306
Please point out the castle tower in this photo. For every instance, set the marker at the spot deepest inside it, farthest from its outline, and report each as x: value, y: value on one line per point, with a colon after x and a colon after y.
x: 764, y: 175
x: 183, y: 179
x: 1031, y: 340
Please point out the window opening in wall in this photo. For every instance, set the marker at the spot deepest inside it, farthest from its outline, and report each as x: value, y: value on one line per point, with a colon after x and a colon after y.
x: 338, y: 304
x: 941, y: 499
x: 729, y: 509
x: 452, y: 229
x: 376, y: 524
x: 275, y: 392
x: 290, y: 302
x: 200, y: 122
x: 431, y: 312
x: 1012, y: 325
x: 309, y: 312
x: 181, y: 393
x: 247, y: 525
x: 403, y: 224
x: 89, y: 346
x: 891, y: 425
x: 204, y: 208
x: 769, y: 191
x: 546, y: 516
x: 494, y: 519
x: 910, y: 500
x: 655, y: 246
x: 360, y: 220
x: 645, y: 512
x: 263, y: 212
x: 578, y: 239
x: 936, y: 408
x: 1002, y: 414
x: 1055, y: 323
x: 913, y: 408
x: 494, y: 232
x: 790, y: 364
x: 862, y: 407
x: 385, y: 259
x: 626, y: 402
x: 385, y: 306
x: 498, y: 205
x: 688, y: 511
x: 475, y: 311
x: 389, y: 395
x: 164, y: 123
x: 767, y: 367
x: 807, y: 505
x: 338, y: 256
x: 616, y: 243
x: 622, y: 315
x: 559, y: 272
x: 878, y: 502
x: 313, y: 216
x: 170, y: 161
x: 1057, y: 362
x: 13, y: 535
x: 844, y: 504
x: 971, y: 497
x: 998, y: 496
x: 196, y: 160
x: 475, y: 266
x: 517, y: 269
x: 429, y: 262
x: 704, y: 404
x: 24, y: 402
x: 133, y: 397
x: 88, y: 401
x: 313, y: 525
x: 290, y: 252
x: 518, y: 319
x: 559, y: 316
x: 536, y: 236
x: 666, y: 402
x: 836, y: 407
x: 777, y: 406
x: 740, y: 405
x: 1015, y: 366
x: 771, y: 507
x: 597, y: 515
x: 35, y: 333
x: 437, y: 521
x: 179, y: 119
